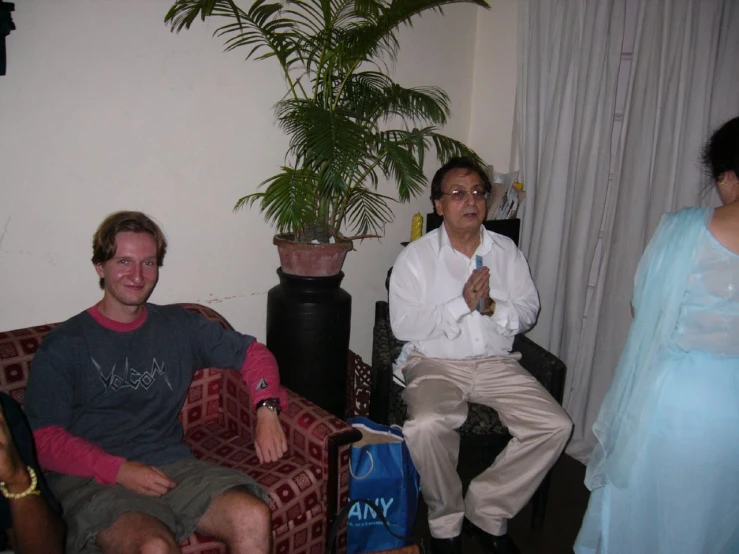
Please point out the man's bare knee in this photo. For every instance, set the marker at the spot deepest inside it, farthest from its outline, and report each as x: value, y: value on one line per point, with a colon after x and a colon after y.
x: 137, y: 533
x: 158, y: 545
x: 238, y: 518
x: 235, y: 507
x: 260, y: 513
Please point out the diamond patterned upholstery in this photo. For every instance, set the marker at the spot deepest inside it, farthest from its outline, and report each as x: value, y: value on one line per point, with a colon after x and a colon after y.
x: 306, y: 487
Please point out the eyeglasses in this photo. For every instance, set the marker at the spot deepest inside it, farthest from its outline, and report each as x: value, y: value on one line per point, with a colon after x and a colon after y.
x: 460, y: 195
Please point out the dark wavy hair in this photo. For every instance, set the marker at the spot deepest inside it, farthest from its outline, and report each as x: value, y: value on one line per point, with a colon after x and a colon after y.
x: 103, y: 241
x: 457, y: 163
x: 721, y: 152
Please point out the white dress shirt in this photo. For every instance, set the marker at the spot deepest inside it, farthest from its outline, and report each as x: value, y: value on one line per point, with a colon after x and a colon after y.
x: 427, y: 308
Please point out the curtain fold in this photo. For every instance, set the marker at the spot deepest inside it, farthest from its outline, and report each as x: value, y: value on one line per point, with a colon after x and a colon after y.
x: 614, y: 100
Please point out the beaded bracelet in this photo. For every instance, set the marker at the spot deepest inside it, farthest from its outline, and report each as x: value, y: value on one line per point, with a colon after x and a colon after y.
x: 32, y: 489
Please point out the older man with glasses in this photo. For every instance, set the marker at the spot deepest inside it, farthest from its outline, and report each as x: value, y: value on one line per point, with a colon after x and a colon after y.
x: 459, y: 295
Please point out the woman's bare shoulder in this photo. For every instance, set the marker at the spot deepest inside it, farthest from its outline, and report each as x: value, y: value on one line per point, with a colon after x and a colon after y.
x: 724, y: 226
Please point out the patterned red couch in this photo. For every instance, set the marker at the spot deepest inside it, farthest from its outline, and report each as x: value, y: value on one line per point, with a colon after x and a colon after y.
x: 306, y: 487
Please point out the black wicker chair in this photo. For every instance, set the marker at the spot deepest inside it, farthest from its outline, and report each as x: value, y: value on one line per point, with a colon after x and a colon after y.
x: 482, y: 435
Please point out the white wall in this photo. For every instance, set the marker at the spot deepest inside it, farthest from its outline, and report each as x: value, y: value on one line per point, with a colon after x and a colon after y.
x: 494, y: 85
x: 104, y: 109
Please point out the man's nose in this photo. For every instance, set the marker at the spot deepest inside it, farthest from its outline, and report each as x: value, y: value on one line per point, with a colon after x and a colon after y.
x: 138, y: 274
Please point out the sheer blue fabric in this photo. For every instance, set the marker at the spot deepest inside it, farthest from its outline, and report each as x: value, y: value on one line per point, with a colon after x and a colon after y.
x: 659, y: 287
x: 664, y: 477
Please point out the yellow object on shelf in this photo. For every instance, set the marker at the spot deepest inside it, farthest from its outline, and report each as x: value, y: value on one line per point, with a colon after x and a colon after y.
x: 518, y: 185
x: 416, y: 227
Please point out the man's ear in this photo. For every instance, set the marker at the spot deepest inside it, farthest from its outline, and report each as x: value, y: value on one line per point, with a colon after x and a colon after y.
x: 437, y: 205
x: 99, y: 269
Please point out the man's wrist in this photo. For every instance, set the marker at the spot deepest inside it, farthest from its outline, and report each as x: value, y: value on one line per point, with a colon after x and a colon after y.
x: 489, y: 309
x: 272, y: 404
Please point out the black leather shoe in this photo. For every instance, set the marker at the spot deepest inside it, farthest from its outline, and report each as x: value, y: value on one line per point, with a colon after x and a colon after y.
x: 495, y: 544
x: 446, y: 546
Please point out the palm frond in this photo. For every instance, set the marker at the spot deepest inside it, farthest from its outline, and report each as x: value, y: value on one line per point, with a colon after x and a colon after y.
x: 307, y: 15
x: 367, y: 211
x: 287, y: 200
x: 376, y: 96
x: 447, y: 148
x: 379, y: 36
x: 332, y: 141
x: 182, y: 14
x: 339, y: 102
x: 400, y: 163
x: 262, y: 28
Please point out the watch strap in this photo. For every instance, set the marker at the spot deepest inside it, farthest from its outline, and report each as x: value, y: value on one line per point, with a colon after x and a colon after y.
x: 271, y: 404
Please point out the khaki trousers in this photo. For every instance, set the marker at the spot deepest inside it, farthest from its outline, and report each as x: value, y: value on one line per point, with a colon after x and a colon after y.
x: 437, y: 394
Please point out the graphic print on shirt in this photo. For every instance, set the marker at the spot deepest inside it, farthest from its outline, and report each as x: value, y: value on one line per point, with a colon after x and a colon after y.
x: 262, y: 384
x: 131, y: 378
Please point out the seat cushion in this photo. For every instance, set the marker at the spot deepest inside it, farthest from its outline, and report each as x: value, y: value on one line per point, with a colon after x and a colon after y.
x: 293, y: 484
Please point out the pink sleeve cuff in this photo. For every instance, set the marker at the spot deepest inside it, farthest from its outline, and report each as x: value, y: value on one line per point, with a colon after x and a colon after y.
x: 59, y: 450
x: 261, y: 375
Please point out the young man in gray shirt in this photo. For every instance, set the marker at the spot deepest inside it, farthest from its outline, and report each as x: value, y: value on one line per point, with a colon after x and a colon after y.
x: 103, y: 399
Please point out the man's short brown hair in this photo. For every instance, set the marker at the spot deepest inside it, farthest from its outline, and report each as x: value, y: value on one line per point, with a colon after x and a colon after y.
x: 103, y: 241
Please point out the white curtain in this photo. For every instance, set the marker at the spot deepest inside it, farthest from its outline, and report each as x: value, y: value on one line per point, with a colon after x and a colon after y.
x: 615, y: 98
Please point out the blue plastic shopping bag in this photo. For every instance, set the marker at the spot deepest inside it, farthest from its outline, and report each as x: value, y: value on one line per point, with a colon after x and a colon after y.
x: 382, y: 472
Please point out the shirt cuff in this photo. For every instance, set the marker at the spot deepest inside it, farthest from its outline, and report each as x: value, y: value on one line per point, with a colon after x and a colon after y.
x: 458, y: 308
x: 503, y: 315
x: 261, y: 375
x: 107, y: 472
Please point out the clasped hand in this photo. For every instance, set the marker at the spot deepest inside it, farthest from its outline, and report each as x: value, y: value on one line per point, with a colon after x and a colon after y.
x: 477, y: 288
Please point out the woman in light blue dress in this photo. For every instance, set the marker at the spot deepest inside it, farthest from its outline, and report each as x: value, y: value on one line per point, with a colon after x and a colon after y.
x: 664, y: 475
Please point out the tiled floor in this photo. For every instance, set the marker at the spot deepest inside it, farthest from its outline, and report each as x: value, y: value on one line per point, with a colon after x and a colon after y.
x: 568, y: 499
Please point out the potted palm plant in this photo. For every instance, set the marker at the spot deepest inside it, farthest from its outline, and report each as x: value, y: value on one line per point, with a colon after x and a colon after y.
x: 349, y: 123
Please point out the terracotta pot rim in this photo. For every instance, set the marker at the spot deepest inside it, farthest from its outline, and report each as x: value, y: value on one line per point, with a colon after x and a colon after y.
x: 285, y: 237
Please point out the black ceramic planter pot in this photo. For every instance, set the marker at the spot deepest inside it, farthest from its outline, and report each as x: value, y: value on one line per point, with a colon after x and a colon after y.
x: 308, y: 326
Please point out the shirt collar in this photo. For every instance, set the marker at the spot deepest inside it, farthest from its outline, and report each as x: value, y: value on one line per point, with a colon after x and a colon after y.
x: 113, y: 325
x: 443, y: 237
x: 486, y: 242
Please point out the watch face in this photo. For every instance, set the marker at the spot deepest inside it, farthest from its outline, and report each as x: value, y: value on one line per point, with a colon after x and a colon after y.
x: 271, y: 404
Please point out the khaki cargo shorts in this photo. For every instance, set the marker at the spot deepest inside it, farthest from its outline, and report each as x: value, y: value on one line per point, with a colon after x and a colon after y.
x: 90, y: 507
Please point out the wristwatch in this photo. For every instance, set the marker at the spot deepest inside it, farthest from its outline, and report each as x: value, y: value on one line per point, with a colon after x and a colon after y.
x: 271, y: 404
x: 490, y: 310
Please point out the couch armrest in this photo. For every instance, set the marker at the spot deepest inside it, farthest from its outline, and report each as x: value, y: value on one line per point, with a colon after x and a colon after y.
x: 548, y: 369
x: 324, y: 439
x: 312, y: 433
